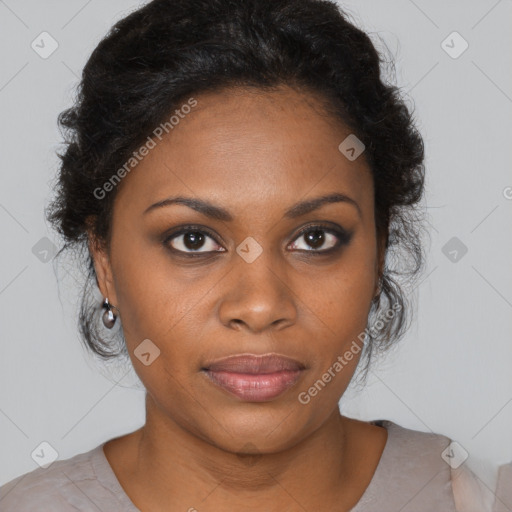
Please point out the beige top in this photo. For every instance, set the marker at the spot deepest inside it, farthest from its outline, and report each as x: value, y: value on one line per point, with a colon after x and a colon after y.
x: 411, y: 476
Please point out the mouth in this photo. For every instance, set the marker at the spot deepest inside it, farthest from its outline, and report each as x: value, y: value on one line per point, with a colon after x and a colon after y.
x: 254, y: 378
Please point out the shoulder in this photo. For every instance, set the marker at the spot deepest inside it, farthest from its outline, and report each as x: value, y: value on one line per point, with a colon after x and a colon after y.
x: 65, y: 485
x: 415, y: 447
x: 504, y: 488
x: 435, y: 466
x: 413, y: 473
x: 471, y: 494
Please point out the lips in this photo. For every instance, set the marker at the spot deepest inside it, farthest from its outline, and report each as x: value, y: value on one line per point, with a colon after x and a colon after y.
x: 254, y: 378
x: 252, y: 364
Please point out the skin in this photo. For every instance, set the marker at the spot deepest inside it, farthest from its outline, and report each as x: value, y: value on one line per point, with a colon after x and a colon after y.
x: 255, y: 154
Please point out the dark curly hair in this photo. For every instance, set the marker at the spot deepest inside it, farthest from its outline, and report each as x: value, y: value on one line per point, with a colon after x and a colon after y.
x: 167, y: 50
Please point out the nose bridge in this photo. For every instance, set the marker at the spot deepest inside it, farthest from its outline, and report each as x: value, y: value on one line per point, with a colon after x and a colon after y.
x: 258, y: 294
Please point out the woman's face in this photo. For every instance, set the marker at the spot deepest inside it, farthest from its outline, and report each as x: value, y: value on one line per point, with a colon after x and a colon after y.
x: 248, y: 282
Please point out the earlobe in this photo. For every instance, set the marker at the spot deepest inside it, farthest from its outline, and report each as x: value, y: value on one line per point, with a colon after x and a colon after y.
x: 102, y: 267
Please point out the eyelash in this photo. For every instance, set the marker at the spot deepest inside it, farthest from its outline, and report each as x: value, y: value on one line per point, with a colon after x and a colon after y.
x: 343, y: 236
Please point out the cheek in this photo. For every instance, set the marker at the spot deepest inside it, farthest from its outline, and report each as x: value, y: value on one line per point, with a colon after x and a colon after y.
x: 341, y: 298
x: 157, y: 299
x: 340, y: 303
x: 165, y: 313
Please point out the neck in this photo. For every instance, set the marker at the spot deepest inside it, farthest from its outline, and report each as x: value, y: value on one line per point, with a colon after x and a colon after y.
x: 176, y: 466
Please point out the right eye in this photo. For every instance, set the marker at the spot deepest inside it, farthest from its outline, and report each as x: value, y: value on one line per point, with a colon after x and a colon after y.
x: 190, y: 240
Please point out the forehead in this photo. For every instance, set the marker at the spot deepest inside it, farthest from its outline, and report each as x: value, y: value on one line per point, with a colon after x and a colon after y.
x: 244, y: 147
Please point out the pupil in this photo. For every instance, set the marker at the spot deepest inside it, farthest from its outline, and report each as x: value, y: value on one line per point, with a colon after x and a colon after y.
x: 193, y: 240
x: 315, y: 238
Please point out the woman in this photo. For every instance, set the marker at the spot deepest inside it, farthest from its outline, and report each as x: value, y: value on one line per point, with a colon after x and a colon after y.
x: 240, y: 175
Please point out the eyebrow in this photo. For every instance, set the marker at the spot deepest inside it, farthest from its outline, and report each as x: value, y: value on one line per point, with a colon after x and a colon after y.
x: 218, y: 213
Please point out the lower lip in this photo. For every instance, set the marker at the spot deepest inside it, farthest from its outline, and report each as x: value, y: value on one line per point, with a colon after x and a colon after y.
x: 255, y: 388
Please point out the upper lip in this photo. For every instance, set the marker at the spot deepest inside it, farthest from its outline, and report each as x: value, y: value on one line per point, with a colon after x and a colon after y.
x: 254, y: 364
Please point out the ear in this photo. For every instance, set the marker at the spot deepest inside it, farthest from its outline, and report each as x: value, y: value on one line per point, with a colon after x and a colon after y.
x: 379, y: 265
x: 102, y: 266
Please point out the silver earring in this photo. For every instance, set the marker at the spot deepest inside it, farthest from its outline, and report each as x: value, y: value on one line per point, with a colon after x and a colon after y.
x: 109, y: 319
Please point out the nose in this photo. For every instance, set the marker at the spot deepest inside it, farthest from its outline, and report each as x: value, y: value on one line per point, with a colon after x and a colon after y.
x: 257, y: 296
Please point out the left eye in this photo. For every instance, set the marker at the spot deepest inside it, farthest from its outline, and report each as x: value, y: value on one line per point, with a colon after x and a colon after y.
x: 315, y: 238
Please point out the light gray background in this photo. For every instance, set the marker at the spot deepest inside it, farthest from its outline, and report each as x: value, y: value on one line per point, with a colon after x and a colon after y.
x: 452, y: 372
